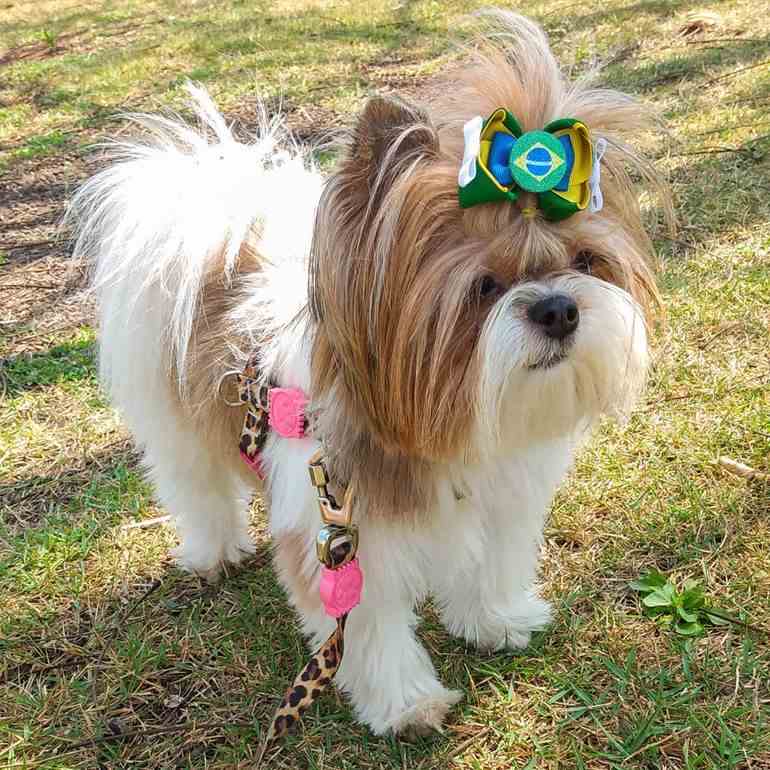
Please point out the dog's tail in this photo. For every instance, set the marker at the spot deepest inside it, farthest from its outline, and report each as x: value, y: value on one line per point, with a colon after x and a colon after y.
x: 168, y: 217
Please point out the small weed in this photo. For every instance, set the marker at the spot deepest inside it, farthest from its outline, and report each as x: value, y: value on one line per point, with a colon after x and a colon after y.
x: 49, y: 37
x: 683, y: 610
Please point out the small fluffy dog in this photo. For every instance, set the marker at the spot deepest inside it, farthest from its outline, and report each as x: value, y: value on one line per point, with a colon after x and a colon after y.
x: 454, y: 357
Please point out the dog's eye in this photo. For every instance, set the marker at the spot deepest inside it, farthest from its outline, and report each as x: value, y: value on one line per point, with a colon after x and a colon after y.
x: 488, y: 287
x: 584, y: 261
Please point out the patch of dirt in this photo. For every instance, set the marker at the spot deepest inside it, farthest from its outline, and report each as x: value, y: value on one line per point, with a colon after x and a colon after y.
x: 41, y: 286
x: 24, y: 500
x: 309, y: 124
x: 313, y: 124
x: 408, y: 85
x: 39, y: 49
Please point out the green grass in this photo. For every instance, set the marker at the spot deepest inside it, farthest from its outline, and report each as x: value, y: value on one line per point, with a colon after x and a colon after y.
x: 47, y: 144
x: 102, y: 637
x: 70, y: 361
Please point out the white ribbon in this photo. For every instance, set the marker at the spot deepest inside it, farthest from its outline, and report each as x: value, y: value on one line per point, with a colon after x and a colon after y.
x: 597, y: 199
x: 472, y: 134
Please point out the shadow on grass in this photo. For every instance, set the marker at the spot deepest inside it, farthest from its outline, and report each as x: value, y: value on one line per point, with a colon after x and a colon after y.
x: 65, y: 25
x: 659, y: 9
x: 112, y: 658
x: 34, y: 192
x: 103, y: 642
x: 687, y: 62
x: 26, y: 220
x: 104, y: 476
x: 159, y: 653
x: 717, y: 191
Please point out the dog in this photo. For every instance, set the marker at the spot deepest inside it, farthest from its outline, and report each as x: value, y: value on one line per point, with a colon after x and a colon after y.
x: 455, y: 349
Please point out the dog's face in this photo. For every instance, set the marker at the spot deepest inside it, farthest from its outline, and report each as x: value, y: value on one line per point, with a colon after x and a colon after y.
x: 444, y: 332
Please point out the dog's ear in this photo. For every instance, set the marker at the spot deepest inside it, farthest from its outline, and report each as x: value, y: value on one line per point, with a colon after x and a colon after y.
x: 371, y: 228
x: 389, y: 133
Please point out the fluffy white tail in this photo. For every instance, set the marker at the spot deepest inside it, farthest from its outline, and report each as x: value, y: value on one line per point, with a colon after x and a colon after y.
x: 169, y: 207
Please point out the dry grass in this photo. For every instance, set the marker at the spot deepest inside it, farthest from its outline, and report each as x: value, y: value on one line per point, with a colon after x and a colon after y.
x: 113, y: 658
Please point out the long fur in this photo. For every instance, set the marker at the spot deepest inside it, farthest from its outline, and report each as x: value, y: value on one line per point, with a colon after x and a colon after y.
x: 407, y: 321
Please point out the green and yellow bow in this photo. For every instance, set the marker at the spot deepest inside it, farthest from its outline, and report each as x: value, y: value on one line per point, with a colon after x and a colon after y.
x: 559, y: 164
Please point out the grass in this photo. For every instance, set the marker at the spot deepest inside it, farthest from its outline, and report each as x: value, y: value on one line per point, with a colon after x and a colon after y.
x: 113, y: 658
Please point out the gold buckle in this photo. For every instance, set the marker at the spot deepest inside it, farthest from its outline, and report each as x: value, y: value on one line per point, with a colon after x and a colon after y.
x: 333, y: 513
x: 318, y: 476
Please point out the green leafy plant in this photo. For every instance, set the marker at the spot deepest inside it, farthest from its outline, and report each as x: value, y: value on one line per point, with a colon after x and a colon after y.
x: 683, y: 609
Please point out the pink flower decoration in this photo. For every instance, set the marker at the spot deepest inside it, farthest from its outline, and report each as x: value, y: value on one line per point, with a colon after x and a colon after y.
x: 341, y: 588
x: 287, y: 412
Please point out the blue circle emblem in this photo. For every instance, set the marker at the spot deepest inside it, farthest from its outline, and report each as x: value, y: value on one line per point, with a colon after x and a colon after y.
x: 539, y: 161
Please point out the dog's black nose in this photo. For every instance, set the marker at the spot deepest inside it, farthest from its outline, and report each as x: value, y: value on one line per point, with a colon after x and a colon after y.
x: 557, y: 314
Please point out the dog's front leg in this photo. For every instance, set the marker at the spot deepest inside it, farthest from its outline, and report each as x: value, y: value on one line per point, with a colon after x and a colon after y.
x: 489, y: 596
x: 386, y: 672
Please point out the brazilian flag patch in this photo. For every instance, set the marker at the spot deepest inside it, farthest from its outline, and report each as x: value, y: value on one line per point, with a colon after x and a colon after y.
x: 537, y: 162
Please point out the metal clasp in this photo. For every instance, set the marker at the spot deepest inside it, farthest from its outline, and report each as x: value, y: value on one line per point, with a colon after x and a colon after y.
x: 249, y: 391
x: 337, y: 542
x: 331, y: 511
x: 231, y: 373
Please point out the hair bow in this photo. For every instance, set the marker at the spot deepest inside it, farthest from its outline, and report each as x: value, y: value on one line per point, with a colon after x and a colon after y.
x: 560, y: 164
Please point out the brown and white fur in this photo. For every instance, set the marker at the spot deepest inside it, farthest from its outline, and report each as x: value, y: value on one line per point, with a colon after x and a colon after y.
x: 405, y: 319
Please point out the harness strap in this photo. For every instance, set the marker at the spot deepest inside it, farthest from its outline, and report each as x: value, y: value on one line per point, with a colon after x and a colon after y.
x: 340, y: 589
x: 267, y: 407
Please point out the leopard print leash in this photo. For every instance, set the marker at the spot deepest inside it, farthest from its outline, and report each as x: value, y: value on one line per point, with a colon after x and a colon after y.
x: 283, y: 409
x: 313, y: 680
x: 340, y: 589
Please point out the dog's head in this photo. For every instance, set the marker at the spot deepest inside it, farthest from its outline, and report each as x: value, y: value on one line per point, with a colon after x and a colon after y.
x: 446, y: 332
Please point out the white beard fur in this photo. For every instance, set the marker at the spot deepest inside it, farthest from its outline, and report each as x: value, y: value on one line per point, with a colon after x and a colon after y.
x: 150, y: 224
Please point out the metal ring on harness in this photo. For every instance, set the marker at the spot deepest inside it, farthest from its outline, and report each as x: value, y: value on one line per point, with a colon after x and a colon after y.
x: 231, y: 373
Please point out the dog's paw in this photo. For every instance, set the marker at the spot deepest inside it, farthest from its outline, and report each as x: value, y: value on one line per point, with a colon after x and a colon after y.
x: 201, y: 565
x: 239, y: 551
x: 512, y: 629
x: 425, y: 716
x: 210, y: 563
x: 502, y: 628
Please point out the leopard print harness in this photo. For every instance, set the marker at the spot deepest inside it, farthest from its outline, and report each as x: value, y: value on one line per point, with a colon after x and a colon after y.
x: 262, y: 398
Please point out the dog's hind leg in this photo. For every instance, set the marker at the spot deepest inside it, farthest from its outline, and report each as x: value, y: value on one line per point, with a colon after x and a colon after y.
x: 173, y: 229
x: 191, y: 454
x: 206, y: 498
